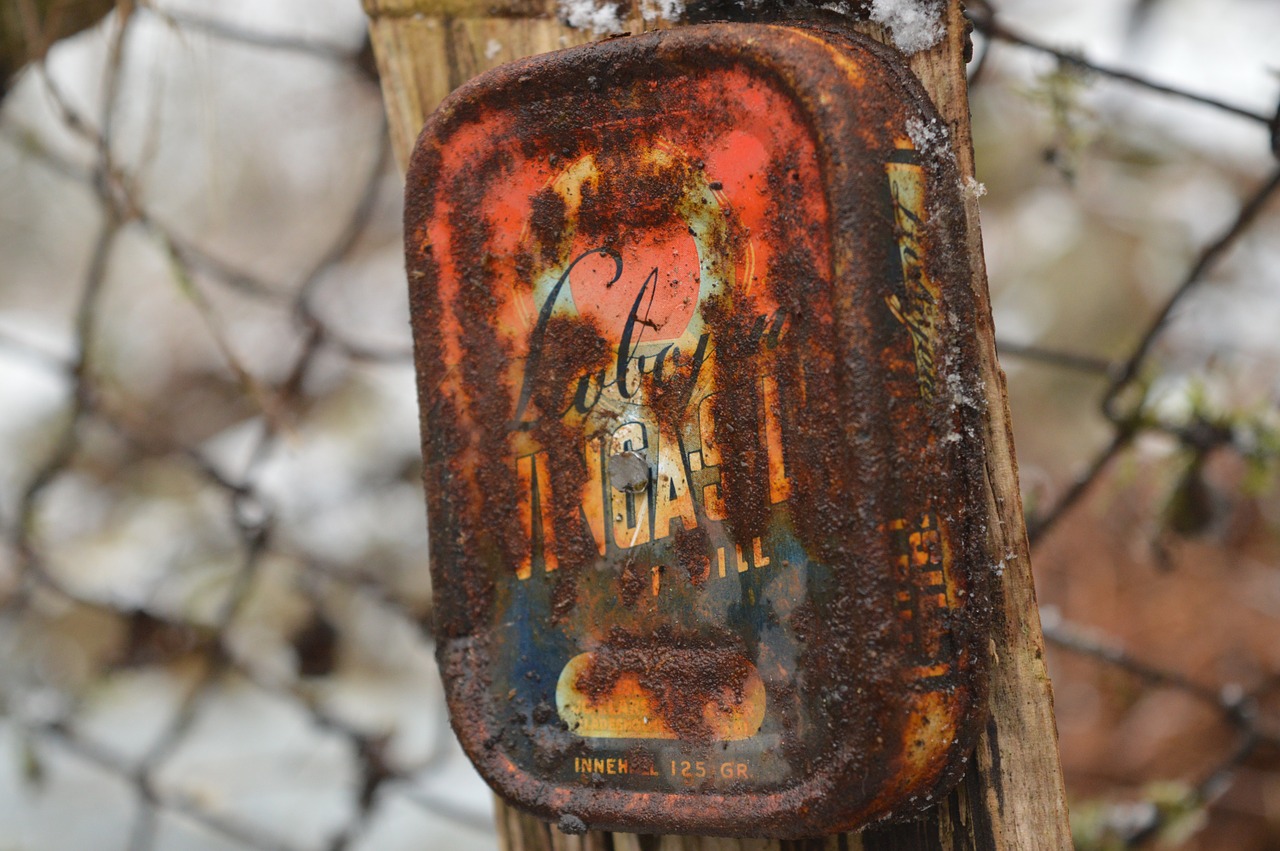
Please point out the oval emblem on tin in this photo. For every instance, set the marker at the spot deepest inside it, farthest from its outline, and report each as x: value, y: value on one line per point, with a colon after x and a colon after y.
x: 708, y: 521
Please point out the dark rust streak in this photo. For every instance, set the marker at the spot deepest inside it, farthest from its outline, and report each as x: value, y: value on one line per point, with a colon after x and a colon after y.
x: 571, y: 348
x: 483, y: 367
x: 691, y: 547
x: 744, y: 469
x: 464, y: 604
x: 547, y: 226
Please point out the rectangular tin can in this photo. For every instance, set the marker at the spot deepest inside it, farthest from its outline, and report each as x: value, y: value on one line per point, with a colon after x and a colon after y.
x: 692, y: 321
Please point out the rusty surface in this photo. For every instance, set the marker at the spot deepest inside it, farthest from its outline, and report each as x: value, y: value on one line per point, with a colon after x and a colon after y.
x: 691, y: 316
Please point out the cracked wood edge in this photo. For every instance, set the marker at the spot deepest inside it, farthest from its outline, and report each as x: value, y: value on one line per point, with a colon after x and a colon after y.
x: 1013, y: 796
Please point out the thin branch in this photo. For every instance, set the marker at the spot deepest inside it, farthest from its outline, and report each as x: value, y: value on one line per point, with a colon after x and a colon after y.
x: 114, y: 764
x: 1040, y: 526
x: 1237, y: 709
x: 1066, y: 360
x: 1209, y: 255
x: 357, y: 223
x: 68, y: 439
x: 1077, y: 639
x: 195, y: 258
x: 989, y: 26
x: 111, y: 80
x: 271, y: 41
x: 27, y: 141
x: 477, y: 823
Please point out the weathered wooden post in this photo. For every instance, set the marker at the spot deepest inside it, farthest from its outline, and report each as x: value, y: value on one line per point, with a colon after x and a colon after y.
x: 1011, y: 794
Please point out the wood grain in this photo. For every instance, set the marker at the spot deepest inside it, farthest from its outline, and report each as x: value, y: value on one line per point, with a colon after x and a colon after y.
x: 1013, y: 795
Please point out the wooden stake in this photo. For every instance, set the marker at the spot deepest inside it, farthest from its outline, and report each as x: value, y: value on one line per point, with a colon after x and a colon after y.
x: 1013, y: 796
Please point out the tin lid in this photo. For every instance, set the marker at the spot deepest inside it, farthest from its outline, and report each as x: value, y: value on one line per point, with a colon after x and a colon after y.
x: 692, y: 324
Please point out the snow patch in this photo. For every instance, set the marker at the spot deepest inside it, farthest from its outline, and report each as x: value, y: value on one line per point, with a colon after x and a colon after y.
x: 662, y: 10
x: 972, y: 188
x: 929, y: 136
x: 962, y: 395
x: 600, y: 16
x: 492, y: 48
x: 915, y: 25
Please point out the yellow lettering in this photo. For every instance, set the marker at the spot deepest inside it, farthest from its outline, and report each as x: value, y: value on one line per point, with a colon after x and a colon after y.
x: 535, y: 493
x: 759, y: 559
x: 712, y: 502
x: 674, y: 499
x: 593, y: 496
x: 919, y: 313
x: 924, y: 547
x: 779, y: 484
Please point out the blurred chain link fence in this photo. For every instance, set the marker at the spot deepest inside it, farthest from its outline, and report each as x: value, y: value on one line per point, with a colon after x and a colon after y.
x: 214, y: 604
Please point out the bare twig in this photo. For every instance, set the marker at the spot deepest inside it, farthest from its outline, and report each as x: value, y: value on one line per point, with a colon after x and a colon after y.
x: 1052, y: 357
x: 988, y: 25
x: 1207, y: 258
x: 276, y: 42
x: 1038, y: 527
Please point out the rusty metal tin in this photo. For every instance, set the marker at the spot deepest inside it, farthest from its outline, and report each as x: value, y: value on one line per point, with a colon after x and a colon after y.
x: 700, y: 412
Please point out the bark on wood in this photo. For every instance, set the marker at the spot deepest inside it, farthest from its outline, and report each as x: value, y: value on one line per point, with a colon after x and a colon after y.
x: 1013, y: 795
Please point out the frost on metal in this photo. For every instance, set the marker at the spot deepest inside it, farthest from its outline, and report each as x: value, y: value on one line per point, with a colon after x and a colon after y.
x: 915, y: 25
